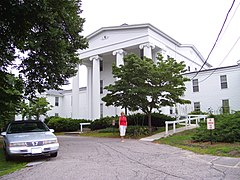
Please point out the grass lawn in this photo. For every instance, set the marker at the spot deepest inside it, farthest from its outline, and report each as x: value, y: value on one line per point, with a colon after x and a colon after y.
x: 183, y: 140
x: 7, y: 167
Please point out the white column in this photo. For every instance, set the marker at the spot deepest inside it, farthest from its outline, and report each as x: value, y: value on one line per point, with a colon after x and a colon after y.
x: 147, y: 49
x: 119, y: 61
x: 75, y: 95
x: 119, y: 57
x: 95, y: 87
x: 89, y: 91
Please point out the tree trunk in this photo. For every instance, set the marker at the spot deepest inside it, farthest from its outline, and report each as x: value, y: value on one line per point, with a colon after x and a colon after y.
x: 149, y: 122
x: 126, y: 111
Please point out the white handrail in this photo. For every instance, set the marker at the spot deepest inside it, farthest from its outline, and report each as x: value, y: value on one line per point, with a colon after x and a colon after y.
x: 82, y: 124
x: 187, y: 121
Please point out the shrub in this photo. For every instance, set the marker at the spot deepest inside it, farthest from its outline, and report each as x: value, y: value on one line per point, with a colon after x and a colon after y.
x: 135, y: 131
x: 227, y: 129
x: 158, y: 120
x: 103, y: 123
x: 60, y: 124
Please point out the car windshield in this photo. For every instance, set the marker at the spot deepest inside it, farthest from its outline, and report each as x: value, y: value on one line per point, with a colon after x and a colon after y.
x: 24, y: 127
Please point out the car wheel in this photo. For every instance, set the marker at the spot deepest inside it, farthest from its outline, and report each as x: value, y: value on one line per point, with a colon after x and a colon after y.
x: 54, y: 154
x: 7, y: 156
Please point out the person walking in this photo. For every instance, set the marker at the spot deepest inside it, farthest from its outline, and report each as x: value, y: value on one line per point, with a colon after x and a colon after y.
x: 122, y: 126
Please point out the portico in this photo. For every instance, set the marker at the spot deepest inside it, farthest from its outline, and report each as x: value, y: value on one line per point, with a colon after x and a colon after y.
x: 95, y: 76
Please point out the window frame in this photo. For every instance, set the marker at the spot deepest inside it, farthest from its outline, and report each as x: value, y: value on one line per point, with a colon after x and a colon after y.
x: 225, y: 106
x: 223, y: 82
x: 195, y: 85
x: 56, y: 101
x: 197, y: 106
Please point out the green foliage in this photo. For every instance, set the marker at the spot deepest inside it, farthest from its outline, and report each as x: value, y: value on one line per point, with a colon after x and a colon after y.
x: 40, y: 106
x: 103, y: 123
x: 227, y: 129
x: 145, y: 85
x: 158, y: 120
x: 11, y: 89
x: 35, y: 108
x: 60, y: 124
x: 137, y: 131
x: 48, y: 33
x: 184, y: 140
x: 7, y: 167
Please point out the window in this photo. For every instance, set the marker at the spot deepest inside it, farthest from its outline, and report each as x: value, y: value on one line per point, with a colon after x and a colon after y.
x: 101, y: 86
x: 189, y: 68
x: 195, y: 85
x: 225, y: 106
x: 56, y: 114
x: 101, y: 110
x: 101, y: 65
x: 56, y: 101
x: 223, y: 80
x: 197, y: 106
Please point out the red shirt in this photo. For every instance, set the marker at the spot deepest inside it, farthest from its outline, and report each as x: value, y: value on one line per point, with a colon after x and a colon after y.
x: 122, y: 121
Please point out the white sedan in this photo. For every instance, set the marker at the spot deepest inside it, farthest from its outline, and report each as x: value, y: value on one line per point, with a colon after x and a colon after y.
x: 29, y: 138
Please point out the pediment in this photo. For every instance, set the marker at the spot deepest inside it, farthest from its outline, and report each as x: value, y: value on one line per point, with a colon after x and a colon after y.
x: 109, y: 36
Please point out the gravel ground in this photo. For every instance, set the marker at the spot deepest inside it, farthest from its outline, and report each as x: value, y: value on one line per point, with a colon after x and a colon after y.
x: 109, y: 159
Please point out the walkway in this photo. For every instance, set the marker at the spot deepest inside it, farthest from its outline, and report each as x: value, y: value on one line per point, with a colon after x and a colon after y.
x: 170, y: 132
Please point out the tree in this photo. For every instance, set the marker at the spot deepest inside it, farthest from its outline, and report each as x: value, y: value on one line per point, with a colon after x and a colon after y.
x: 44, y: 35
x: 39, y: 107
x: 24, y: 110
x: 35, y: 108
x: 144, y: 85
x: 11, y: 89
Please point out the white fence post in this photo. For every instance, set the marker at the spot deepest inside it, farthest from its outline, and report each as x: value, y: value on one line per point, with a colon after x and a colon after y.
x: 174, y: 127
x: 166, y: 131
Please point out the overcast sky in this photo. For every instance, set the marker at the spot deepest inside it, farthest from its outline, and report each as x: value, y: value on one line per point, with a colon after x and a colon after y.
x: 195, y: 22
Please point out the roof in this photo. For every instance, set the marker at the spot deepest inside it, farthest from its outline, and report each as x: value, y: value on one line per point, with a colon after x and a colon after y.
x: 147, y: 25
x: 214, y: 69
x: 61, y: 92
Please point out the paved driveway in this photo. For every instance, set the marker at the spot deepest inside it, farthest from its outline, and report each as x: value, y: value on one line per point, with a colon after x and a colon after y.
x: 109, y: 159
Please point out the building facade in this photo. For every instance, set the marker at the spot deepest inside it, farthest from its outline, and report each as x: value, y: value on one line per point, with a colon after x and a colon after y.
x: 213, y: 89
x: 109, y: 45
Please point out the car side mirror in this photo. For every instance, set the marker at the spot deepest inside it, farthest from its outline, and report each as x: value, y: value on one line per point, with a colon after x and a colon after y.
x: 3, y: 134
x: 51, y: 130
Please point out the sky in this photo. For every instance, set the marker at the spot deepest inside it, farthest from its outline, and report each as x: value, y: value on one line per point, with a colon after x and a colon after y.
x: 196, y: 22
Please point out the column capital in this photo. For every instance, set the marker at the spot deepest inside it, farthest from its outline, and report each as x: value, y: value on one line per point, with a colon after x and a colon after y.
x: 120, y: 52
x: 96, y: 57
x: 148, y: 45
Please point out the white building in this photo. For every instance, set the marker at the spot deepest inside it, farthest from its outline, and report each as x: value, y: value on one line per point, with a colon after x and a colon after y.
x: 108, y: 45
x: 216, y: 90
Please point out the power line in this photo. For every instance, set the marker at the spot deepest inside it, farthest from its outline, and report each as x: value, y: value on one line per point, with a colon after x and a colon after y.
x: 230, y: 21
x: 216, y: 40
x: 222, y: 60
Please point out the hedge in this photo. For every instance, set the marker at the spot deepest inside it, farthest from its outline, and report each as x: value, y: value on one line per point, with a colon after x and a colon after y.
x: 158, y: 120
x: 227, y: 129
x: 60, y: 124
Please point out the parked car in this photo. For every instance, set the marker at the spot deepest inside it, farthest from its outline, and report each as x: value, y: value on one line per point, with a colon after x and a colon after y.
x: 29, y: 138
